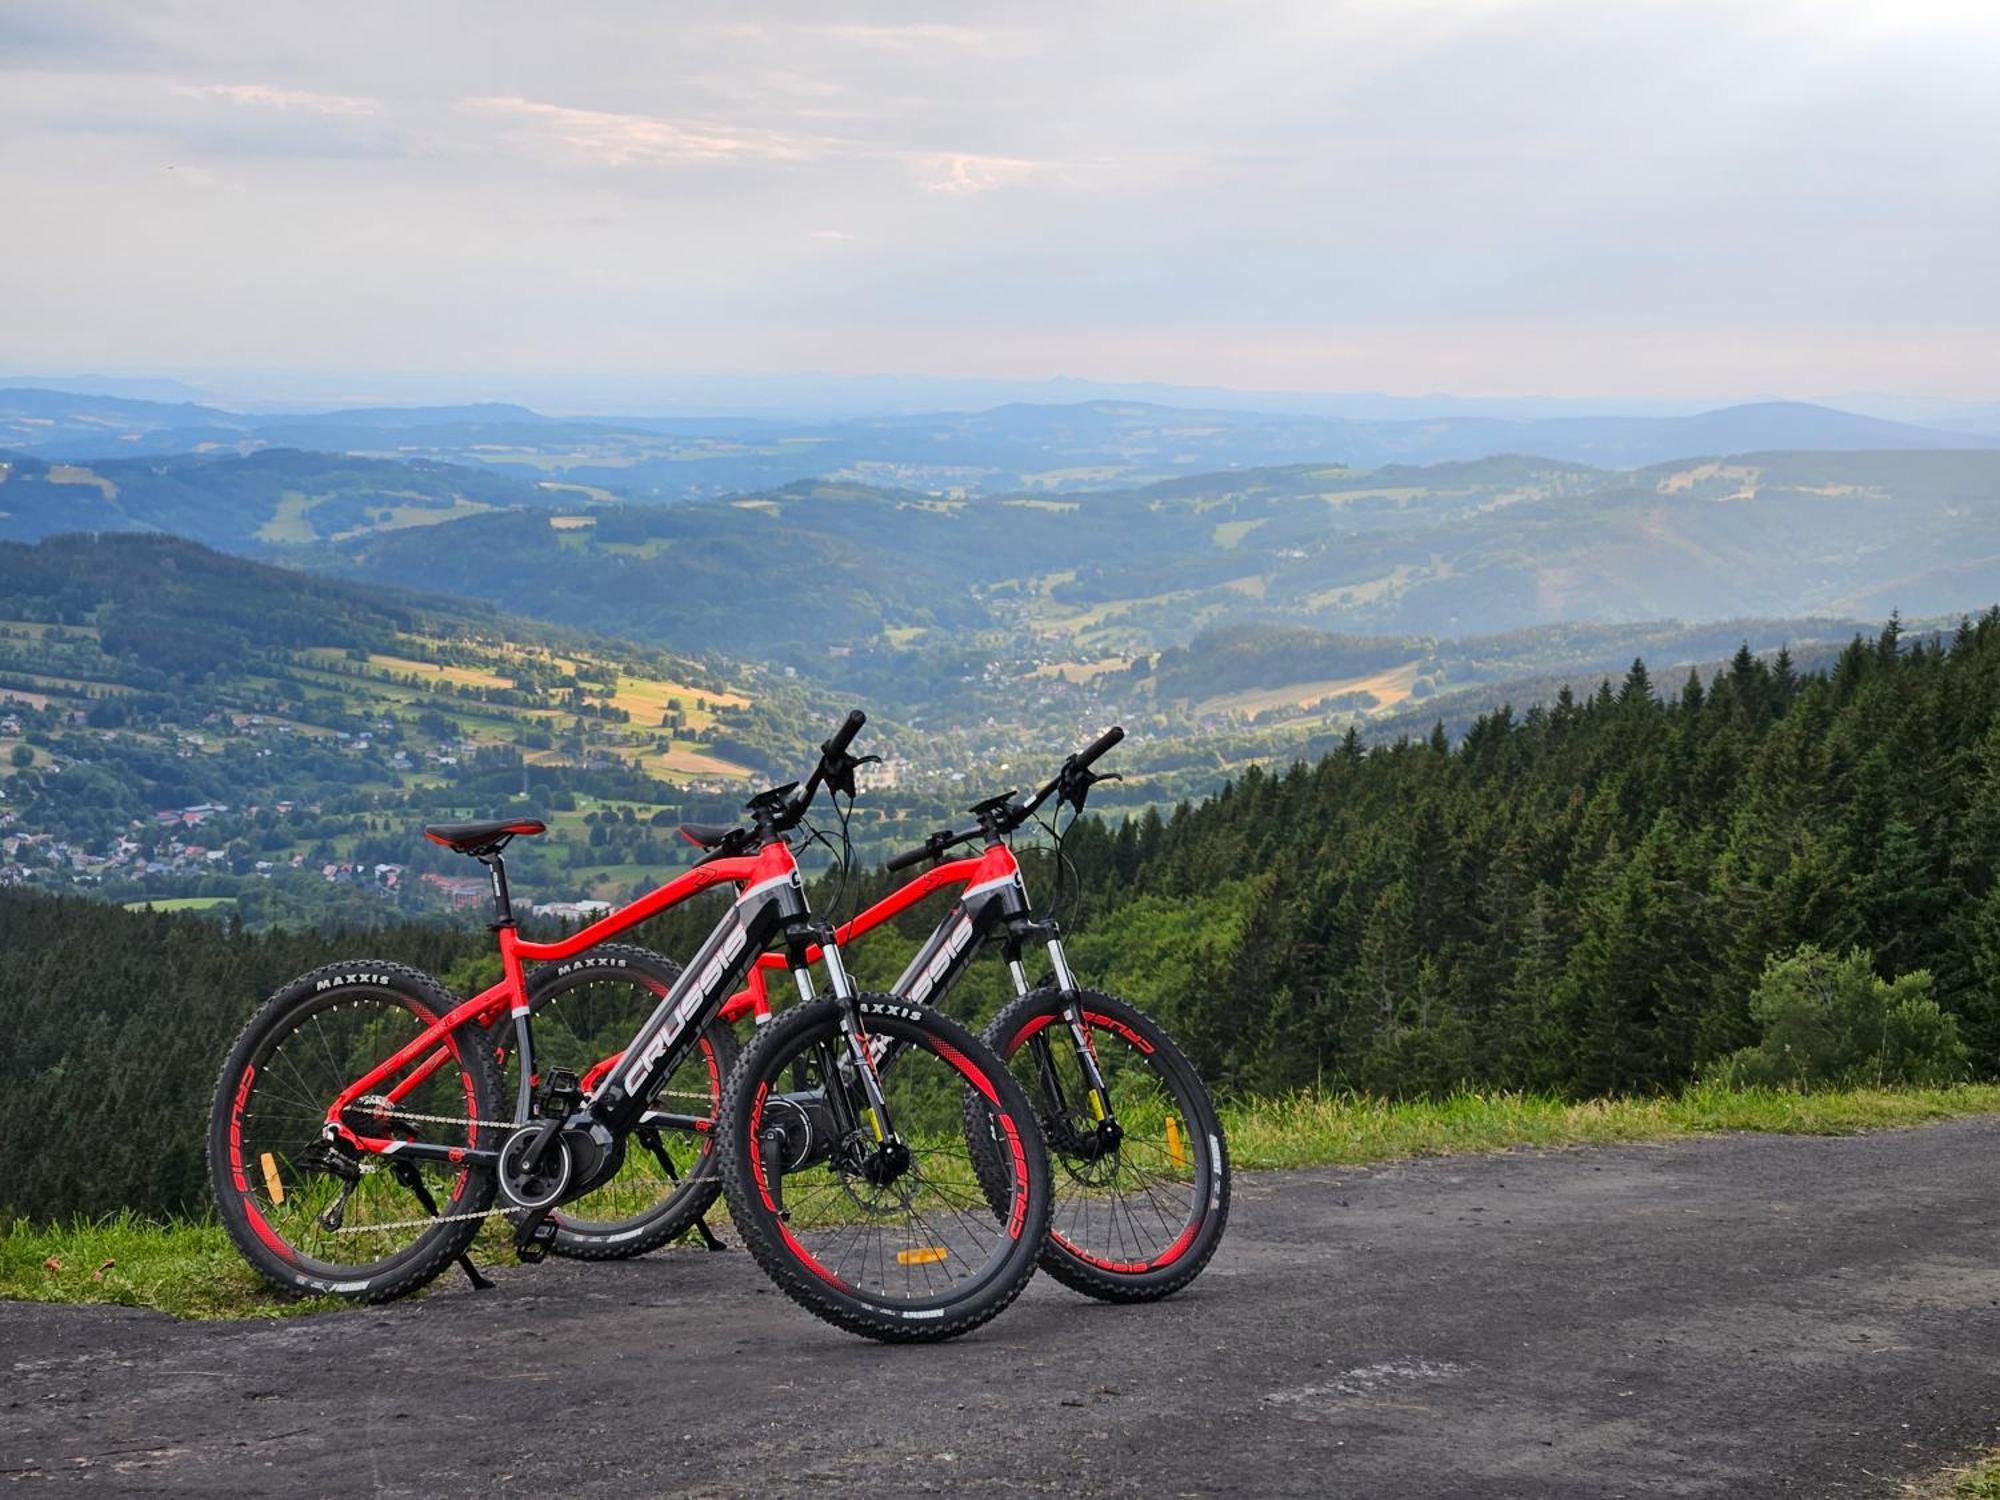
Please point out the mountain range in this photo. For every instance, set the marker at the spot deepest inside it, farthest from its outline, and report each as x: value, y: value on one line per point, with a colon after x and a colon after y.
x: 1443, y: 550
x: 1020, y: 447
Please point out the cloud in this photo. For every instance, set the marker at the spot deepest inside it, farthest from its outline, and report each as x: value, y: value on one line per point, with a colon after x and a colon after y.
x: 831, y: 234
x: 270, y: 96
x: 904, y: 38
x: 607, y: 138
x: 619, y: 140
x: 964, y: 174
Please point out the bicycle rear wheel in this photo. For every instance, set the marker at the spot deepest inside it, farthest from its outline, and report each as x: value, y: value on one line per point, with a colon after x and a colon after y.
x: 896, y: 1244
x: 1141, y: 1202
x: 315, y: 1217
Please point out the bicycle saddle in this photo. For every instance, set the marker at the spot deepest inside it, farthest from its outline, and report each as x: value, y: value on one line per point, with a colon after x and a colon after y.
x: 478, y: 838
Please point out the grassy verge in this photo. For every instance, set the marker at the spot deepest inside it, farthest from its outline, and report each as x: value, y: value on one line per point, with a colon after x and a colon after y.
x: 1311, y: 1130
x: 1977, y: 1481
x: 191, y: 1269
x: 183, y: 1268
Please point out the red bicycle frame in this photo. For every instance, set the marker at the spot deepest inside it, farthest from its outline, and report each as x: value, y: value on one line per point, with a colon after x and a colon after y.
x: 993, y: 896
x: 771, y: 869
x: 996, y: 865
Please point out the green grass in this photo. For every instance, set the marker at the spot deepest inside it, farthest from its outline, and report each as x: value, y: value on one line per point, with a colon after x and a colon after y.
x: 180, y: 903
x: 191, y: 1270
x: 1312, y: 1130
x: 1980, y: 1482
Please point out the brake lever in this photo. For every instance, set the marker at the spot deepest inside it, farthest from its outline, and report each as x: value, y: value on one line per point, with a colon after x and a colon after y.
x: 839, y: 775
x: 1077, y: 782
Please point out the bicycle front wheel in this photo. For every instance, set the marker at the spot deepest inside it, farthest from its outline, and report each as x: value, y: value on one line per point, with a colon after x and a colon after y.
x: 1141, y: 1196
x: 894, y: 1239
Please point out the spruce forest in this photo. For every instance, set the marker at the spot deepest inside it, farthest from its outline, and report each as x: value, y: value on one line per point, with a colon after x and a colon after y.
x: 1581, y: 899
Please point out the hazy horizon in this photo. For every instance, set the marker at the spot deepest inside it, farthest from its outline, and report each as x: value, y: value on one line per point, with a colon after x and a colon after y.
x: 809, y: 396
x: 1672, y: 202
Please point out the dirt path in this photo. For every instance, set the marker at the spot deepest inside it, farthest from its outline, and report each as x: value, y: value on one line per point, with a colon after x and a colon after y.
x: 1736, y: 1316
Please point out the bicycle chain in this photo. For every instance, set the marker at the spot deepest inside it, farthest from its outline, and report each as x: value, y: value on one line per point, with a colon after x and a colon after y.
x: 485, y: 1213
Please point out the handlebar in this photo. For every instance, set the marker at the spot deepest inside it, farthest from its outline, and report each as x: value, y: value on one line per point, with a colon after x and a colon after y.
x: 836, y: 747
x: 1099, y: 745
x: 1075, y: 774
x: 930, y: 848
x: 830, y: 753
x: 782, y: 808
x: 910, y: 857
x: 1075, y: 771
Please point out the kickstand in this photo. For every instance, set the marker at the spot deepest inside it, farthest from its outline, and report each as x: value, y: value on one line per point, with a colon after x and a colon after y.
x: 408, y: 1176
x: 650, y: 1139
x: 479, y: 1283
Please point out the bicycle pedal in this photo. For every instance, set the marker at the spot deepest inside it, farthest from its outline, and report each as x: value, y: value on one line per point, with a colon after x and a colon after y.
x: 533, y: 1238
x: 560, y: 1094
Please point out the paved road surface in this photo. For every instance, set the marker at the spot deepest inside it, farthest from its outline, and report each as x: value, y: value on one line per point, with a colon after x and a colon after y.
x: 1738, y: 1316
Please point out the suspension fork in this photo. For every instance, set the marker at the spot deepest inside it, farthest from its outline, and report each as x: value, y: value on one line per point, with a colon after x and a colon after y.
x: 854, y: 1041
x: 1097, y: 1095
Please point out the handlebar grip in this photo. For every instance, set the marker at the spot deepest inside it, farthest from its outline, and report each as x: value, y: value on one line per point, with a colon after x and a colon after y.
x: 909, y: 857
x: 844, y: 736
x: 1099, y: 745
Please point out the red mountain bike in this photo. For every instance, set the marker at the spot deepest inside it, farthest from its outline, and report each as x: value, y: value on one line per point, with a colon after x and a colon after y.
x: 1142, y: 1180
x: 360, y: 1133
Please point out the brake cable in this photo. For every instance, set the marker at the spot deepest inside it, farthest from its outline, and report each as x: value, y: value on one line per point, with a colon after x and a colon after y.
x: 1057, y: 837
x: 843, y: 856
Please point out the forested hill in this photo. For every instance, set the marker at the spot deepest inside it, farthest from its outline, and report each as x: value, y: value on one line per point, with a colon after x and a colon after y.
x: 276, y: 498
x: 1580, y: 898
x: 177, y: 724
x: 116, y: 1025
x: 1456, y: 549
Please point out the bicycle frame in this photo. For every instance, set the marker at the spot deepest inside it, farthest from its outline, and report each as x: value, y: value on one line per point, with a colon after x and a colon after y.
x: 994, y: 898
x: 770, y: 904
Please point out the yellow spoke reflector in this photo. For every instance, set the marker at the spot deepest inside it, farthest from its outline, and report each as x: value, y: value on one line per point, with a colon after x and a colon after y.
x: 1175, y: 1150
x: 930, y: 1255
x: 271, y: 1183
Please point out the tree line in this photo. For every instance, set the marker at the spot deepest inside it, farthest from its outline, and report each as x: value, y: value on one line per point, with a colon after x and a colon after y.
x: 1582, y: 898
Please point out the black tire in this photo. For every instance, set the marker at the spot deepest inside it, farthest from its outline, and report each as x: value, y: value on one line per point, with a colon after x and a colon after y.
x: 314, y: 1036
x: 1181, y: 1185
x: 938, y: 1068
x: 585, y: 1009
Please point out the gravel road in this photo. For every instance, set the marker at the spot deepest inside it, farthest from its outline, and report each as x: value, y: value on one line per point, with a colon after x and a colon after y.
x: 1748, y: 1315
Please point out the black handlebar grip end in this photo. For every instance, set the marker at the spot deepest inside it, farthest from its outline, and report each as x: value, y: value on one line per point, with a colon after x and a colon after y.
x: 1101, y: 744
x: 907, y: 858
x: 844, y: 736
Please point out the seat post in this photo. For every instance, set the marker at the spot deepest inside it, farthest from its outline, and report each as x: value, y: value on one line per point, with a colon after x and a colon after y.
x: 503, y: 904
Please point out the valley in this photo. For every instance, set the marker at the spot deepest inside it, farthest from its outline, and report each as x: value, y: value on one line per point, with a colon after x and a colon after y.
x: 621, y: 660
x: 185, y: 728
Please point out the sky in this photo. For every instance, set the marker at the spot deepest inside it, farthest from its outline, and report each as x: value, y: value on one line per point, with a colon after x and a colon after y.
x: 1565, y: 198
